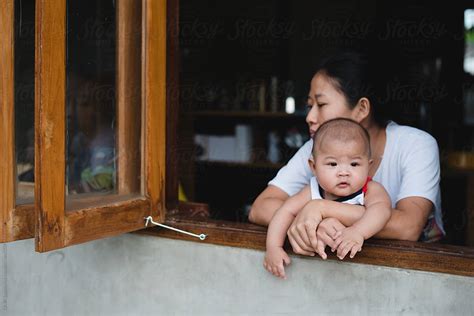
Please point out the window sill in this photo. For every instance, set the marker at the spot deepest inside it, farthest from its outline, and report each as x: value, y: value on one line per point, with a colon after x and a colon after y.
x: 390, y: 253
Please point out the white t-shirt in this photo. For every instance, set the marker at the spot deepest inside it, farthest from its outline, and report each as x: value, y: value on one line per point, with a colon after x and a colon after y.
x: 409, y: 167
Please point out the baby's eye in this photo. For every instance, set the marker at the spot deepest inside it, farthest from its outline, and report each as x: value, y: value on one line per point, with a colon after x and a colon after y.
x: 332, y: 164
x: 354, y: 164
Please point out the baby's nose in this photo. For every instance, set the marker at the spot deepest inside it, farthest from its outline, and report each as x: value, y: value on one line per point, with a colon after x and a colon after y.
x: 343, y: 172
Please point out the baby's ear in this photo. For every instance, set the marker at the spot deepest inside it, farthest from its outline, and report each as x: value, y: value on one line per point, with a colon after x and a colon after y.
x: 311, y: 163
x: 370, y: 161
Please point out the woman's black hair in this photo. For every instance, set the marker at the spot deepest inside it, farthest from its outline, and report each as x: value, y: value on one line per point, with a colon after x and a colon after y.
x: 354, y: 76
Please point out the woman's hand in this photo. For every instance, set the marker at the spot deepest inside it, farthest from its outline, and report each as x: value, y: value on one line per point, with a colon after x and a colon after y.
x: 326, y: 235
x: 302, y: 232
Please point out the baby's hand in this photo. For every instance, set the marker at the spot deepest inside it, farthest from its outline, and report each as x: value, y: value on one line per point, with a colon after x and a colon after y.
x: 275, y: 257
x: 348, y: 240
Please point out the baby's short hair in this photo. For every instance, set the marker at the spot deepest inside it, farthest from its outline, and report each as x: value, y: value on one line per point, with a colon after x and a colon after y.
x: 343, y: 130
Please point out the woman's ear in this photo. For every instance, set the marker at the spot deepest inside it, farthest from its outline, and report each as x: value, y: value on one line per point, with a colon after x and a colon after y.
x: 362, y: 109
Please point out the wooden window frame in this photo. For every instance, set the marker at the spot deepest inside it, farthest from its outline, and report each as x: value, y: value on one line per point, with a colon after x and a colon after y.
x: 56, y: 228
x: 440, y: 258
x: 17, y: 221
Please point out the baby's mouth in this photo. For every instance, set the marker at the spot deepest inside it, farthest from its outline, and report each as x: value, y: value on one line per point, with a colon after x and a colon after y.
x: 343, y: 185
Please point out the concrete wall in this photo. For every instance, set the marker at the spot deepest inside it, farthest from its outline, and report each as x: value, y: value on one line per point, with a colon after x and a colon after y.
x: 141, y: 275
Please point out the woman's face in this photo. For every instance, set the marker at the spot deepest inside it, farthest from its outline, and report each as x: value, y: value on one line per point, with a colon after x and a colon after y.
x: 325, y: 102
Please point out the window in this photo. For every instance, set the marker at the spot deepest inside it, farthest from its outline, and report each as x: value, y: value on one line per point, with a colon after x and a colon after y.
x: 102, y: 67
x: 135, y: 173
x: 110, y: 78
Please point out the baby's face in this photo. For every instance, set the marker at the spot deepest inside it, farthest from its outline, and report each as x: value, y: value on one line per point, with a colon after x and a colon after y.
x: 341, y: 168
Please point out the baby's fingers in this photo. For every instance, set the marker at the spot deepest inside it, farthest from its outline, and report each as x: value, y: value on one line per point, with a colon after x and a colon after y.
x: 274, y: 271
x: 337, y: 234
x: 343, y: 249
x: 337, y: 243
x: 286, y: 259
x: 320, y: 249
x: 281, y: 271
x: 269, y: 267
x: 340, y: 246
x: 355, y: 249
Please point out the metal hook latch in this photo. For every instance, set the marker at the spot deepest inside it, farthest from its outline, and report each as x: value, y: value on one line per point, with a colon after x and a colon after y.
x: 149, y: 219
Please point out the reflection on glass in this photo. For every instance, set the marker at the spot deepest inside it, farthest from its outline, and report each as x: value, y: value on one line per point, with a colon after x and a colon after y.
x: 91, y: 145
x: 97, y: 115
x: 24, y: 98
x: 468, y: 91
x: 469, y: 41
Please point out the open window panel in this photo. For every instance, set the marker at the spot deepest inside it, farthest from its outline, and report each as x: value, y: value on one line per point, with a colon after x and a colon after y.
x: 99, y: 118
x: 17, y: 120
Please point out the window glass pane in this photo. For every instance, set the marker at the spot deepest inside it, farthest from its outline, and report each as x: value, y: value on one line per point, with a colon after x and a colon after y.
x: 103, y: 126
x: 24, y: 98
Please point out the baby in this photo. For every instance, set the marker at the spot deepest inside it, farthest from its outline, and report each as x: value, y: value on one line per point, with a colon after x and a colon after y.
x: 340, y: 164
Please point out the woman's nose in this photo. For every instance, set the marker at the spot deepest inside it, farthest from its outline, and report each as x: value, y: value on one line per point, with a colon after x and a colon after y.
x: 312, y: 116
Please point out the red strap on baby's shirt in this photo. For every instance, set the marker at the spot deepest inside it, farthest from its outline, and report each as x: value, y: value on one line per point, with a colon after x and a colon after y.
x: 364, y: 189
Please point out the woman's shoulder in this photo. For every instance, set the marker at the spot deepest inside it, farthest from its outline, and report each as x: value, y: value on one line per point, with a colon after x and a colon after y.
x: 308, y: 145
x: 306, y: 149
x: 408, y: 135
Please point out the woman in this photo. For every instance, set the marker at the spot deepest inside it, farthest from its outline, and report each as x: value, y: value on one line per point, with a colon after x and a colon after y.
x: 405, y: 162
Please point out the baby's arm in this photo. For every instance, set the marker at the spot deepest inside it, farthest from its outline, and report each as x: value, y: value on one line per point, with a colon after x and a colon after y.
x: 281, y: 221
x: 377, y: 214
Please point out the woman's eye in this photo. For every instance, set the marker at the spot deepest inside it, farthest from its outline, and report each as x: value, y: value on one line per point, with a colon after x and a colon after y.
x: 321, y: 104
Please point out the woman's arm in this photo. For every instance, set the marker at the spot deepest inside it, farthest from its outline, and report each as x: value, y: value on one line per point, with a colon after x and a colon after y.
x: 266, y: 204
x: 419, y: 171
x: 407, y: 220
